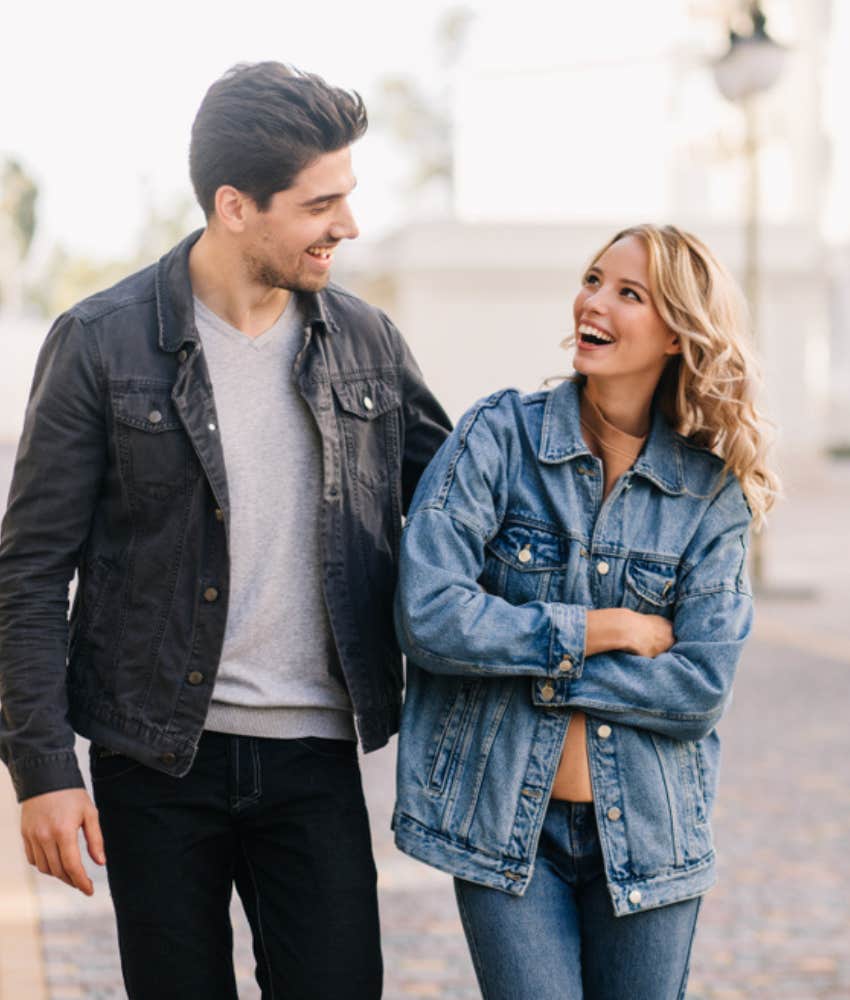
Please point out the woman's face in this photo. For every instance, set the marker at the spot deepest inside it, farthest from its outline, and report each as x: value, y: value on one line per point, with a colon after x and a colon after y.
x: 617, y: 327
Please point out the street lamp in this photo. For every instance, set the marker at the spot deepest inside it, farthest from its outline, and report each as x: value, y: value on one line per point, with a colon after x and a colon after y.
x: 751, y: 66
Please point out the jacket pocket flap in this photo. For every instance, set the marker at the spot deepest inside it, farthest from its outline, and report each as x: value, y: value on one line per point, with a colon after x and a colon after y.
x: 654, y: 582
x: 146, y: 407
x: 366, y: 398
x: 529, y: 549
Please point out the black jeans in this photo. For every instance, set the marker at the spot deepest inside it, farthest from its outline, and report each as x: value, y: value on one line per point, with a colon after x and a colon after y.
x: 283, y: 820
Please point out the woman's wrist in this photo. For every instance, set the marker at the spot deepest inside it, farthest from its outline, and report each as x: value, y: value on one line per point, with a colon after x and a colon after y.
x: 606, y: 629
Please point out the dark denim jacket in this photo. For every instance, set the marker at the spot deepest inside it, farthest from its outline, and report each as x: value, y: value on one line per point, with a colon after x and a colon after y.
x: 507, y: 544
x: 120, y: 476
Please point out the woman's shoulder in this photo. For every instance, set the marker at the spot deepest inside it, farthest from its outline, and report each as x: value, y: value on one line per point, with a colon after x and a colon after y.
x: 708, y: 478
x: 502, y: 410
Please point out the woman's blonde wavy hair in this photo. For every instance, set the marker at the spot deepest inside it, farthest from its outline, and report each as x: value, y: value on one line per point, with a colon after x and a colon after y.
x: 708, y: 392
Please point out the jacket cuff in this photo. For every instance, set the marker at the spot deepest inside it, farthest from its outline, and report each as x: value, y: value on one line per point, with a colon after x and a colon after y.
x: 569, y: 625
x: 51, y: 772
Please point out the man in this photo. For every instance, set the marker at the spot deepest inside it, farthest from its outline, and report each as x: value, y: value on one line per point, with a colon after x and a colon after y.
x: 222, y: 447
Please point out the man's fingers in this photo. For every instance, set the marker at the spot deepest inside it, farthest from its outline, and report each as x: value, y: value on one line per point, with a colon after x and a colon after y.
x: 39, y: 860
x: 72, y: 865
x: 94, y: 837
x: 29, y: 852
x: 54, y: 861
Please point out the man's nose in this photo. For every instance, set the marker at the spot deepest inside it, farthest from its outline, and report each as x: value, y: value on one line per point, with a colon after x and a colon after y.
x: 344, y: 227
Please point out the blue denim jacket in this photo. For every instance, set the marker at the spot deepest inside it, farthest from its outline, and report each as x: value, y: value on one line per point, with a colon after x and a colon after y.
x: 507, y: 544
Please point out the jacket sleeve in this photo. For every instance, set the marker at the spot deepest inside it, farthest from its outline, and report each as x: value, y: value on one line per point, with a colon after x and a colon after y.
x: 683, y: 693
x: 446, y: 623
x: 59, y: 466
x: 424, y: 422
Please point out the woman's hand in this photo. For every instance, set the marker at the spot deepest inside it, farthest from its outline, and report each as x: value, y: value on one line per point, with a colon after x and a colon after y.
x: 630, y: 631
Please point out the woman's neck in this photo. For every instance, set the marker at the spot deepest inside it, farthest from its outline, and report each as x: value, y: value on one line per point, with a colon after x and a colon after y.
x: 628, y: 411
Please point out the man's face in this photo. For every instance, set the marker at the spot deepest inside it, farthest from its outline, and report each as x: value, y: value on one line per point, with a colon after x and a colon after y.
x: 290, y: 245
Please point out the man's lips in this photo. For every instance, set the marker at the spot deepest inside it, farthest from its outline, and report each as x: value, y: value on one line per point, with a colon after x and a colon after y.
x: 322, y: 256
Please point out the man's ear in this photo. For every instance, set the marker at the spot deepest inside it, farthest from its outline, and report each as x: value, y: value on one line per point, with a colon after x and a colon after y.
x: 231, y: 207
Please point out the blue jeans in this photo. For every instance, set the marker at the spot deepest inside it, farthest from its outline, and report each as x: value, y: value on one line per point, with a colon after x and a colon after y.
x: 282, y: 820
x: 561, y: 940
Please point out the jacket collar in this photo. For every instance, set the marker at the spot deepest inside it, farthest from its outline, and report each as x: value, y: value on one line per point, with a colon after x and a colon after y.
x: 561, y: 440
x: 175, y: 310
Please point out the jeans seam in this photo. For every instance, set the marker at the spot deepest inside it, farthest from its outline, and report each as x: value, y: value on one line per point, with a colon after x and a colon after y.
x: 473, y: 945
x: 258, y: 776
x: 260, y: 934
x: 686, y: 971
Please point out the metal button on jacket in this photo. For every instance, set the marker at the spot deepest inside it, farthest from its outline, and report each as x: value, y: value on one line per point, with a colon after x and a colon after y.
x: 219, y: 514
x: 635, y: 897
x: 210, y: 594
x: 603, y: 732
x: 155, y: 416
x: 195, y: 677
x: 168, y: 758
x: 547, y: 692
x: 524, y: 554
x: 181, y: 356
x: 614, y: 813
x: 602, y: 568
x: 367, y: 402
x: 565, y: 664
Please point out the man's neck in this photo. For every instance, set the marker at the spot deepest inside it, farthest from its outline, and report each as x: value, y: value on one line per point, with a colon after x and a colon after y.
x: 220, y: 281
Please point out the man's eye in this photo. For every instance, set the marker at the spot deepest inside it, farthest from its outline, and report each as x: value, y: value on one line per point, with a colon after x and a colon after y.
x: 318, y: 209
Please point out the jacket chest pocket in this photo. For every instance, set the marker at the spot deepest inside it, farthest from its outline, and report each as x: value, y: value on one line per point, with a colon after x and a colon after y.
x: 650, y: 587
x: 156, y: 458
x: 525, y: 563
x: 368, y: 417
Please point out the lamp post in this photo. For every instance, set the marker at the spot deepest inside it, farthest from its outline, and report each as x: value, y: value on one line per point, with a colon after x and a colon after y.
x: 751, y: 66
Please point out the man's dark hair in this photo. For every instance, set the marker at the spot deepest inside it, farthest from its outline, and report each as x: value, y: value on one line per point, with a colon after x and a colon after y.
x: 261, y: 124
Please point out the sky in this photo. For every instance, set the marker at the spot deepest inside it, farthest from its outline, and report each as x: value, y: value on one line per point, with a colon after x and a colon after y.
x: 97, y: 99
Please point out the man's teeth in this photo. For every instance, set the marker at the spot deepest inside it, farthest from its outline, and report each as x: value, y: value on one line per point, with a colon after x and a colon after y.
x: 324, y: 253
x: 591, y: 333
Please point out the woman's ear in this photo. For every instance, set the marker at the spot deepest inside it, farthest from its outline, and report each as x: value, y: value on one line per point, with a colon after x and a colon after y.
x: 675, y: 345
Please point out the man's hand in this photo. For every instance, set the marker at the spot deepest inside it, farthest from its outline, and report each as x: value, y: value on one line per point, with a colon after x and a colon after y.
x: 50, y: 824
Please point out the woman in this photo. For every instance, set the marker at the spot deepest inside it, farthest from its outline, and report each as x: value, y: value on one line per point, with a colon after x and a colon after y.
x: 573, y: 601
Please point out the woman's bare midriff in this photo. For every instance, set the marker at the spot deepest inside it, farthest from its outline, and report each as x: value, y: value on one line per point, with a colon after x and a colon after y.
x: 572, y: 780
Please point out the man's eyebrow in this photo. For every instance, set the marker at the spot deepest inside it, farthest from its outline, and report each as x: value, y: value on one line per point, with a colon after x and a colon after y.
x: 624, y: 281
x: 333, y: 196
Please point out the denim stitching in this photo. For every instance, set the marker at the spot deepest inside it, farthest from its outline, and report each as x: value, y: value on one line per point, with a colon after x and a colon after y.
x: 260, y: 934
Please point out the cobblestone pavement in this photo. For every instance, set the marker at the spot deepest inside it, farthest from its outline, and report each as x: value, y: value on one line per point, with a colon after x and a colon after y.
x: 777, y: 927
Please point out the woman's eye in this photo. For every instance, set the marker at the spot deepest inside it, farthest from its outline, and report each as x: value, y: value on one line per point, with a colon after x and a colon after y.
x: 633, y: 293
x: 591, y: 279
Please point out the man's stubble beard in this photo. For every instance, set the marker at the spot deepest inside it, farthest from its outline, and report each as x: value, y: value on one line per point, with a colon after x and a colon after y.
x: 263, y: 272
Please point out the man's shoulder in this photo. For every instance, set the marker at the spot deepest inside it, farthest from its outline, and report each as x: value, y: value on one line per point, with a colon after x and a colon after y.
x: 135, y: 291
x: 346, y: 307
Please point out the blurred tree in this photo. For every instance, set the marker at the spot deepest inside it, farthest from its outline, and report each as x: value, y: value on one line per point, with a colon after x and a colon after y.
x: 66, y: 278
x: 18, y: 198
x: 419, y: 118
x: 20, y: 194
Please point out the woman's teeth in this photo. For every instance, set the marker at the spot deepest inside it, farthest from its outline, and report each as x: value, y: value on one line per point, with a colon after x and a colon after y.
x: 594, y: 336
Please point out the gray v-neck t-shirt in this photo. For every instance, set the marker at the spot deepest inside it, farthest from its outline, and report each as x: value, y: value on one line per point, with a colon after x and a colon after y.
x: 279, y: 671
